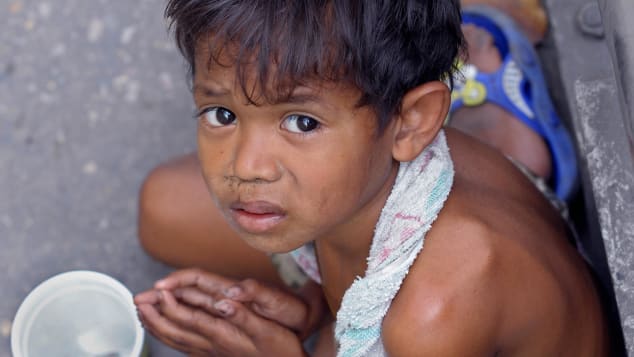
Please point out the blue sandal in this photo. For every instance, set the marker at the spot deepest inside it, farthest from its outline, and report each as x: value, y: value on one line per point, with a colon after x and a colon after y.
x: 519, y: 87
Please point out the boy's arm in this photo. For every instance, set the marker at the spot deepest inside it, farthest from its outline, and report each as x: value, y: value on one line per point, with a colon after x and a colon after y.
x: 441, y: 329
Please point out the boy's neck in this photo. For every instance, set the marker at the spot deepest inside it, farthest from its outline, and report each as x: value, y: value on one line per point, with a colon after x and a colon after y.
x: 342, y: 255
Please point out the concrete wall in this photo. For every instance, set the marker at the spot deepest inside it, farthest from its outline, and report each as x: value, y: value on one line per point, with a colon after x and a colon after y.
x: 619, y: 36
x: 619, y: 28
x: 594, y: 42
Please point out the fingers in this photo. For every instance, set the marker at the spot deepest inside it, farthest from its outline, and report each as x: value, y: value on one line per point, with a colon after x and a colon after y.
x: 262, y: 332
x: 246, y: 320
x: 195, y: 297
x: 271, y: 303
x: 217, y: 332
x: 170, y: 333
x: 189, y: 323
x: 205, y: 281
x: 149, y: 297
x: 241, y: 317
x: 188, y: 317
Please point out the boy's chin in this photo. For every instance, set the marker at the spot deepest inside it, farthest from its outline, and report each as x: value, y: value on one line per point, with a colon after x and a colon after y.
x: 270, y: 244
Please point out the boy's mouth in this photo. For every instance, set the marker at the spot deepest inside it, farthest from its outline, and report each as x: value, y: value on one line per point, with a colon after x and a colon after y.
x: 257, y: 216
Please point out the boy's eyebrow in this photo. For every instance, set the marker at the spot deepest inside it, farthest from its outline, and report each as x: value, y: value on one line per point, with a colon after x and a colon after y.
x: 306, y: 97
x: 301, y: 96
x: 208, y: 91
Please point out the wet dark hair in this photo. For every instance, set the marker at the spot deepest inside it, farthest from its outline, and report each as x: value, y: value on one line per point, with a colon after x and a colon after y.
x: 382, y: 47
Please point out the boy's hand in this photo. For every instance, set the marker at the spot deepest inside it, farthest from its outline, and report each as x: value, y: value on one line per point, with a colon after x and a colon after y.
x: 226, y: 328
x: 199, y: 312
x: 203, y: 289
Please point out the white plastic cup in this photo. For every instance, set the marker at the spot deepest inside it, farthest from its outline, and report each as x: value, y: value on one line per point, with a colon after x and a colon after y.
x: 78, y: 313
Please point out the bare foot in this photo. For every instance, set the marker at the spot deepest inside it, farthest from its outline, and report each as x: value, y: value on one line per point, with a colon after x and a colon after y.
x: 529, y: 14
x: 494, y: 125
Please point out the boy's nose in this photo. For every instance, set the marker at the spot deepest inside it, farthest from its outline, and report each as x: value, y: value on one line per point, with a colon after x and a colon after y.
x: 254, y: 159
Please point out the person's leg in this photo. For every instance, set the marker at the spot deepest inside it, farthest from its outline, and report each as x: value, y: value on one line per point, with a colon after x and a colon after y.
x: 494, y: 125
x: 180, y: 226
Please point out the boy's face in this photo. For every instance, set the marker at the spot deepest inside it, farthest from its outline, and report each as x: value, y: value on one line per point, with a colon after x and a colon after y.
x: 284, y: 174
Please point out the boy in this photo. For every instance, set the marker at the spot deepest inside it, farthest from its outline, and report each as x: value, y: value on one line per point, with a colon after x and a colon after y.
x: 320, y: 127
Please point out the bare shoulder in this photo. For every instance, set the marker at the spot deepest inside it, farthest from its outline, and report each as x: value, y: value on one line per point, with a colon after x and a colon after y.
x: 449, y: 305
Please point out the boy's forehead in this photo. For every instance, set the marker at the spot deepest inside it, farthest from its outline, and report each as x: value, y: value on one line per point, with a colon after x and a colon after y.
x: 224, y: 70
x: 224, y: 83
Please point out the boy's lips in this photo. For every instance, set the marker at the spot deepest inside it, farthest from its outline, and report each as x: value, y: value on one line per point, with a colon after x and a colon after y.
x: 257, y: 216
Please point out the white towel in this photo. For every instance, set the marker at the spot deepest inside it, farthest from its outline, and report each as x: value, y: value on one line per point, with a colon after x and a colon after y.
x: 419, y: 193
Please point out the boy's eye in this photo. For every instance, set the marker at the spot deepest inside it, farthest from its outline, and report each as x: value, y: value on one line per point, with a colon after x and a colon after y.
x: 218, y: 116
x: 300, y: 124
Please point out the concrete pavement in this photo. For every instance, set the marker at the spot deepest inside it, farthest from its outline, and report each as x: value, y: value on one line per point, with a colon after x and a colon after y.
x: 92, y: 95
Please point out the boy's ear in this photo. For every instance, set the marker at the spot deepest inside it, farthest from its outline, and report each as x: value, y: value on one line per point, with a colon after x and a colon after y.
x: 423, y: 112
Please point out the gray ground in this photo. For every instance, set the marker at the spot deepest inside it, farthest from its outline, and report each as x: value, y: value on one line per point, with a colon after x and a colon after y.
x: 92, y: 95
